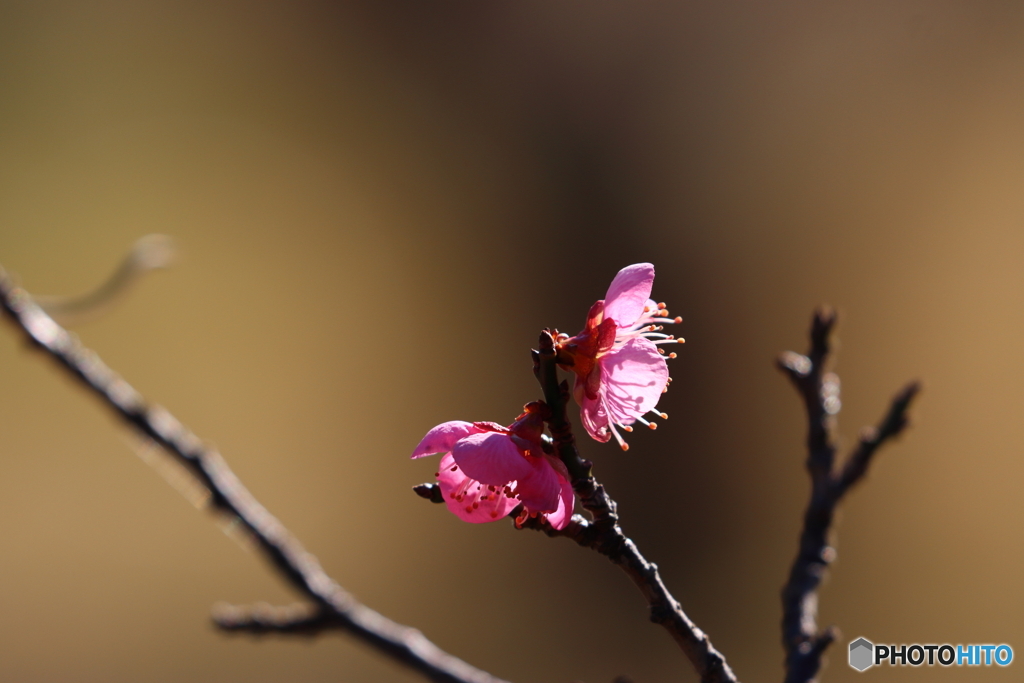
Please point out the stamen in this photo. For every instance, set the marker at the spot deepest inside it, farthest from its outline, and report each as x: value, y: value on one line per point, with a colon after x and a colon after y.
x: 662, y: 306
x: 611, y: 425
x: 460, y: 493
x: 626, y: 428
x: 618, y: 437
x: 494, y: 502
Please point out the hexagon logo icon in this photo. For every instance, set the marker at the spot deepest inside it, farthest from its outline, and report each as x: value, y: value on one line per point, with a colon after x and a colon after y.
x: 862, y: 653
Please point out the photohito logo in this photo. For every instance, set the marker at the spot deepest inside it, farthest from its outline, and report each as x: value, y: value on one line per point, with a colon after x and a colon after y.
x: 861, y: 654
x: 864, y: 654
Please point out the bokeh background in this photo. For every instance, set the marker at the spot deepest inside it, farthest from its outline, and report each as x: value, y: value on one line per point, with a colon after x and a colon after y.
x: 378, y: 206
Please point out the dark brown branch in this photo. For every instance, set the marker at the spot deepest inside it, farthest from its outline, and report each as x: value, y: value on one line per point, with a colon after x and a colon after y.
x: 871, y: 438
x: 803, y: 644
x: 296, y: 565
x: 604, y: 535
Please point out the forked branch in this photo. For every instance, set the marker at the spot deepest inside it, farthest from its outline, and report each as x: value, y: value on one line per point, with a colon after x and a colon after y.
x: 803, y: 643
x: 331, y: 606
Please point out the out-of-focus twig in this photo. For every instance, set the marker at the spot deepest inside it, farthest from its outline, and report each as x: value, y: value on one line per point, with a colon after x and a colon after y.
x: 332, y: 606
x: 803, y: 643
x: 150, y: 252
x: 261, y: 618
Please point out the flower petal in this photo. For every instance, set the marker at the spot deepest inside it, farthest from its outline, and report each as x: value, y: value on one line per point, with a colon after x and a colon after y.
x: 594, y: 316
x: 443, y: 437
x: 490, y: 427
x: 491, y: 458
x: 633, y: 377
x: 606, y: 333
x: 628, y: 294
x: 559, y: 519
x: 468, y: 499
x: 540, y: 490
x: 594, y: 416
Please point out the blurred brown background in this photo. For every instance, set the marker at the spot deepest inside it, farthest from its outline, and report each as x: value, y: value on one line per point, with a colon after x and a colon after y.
x: 378, y: 207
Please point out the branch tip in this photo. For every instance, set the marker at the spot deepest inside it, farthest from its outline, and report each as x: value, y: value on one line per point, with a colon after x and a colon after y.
x: 825, y: 318
x: 906, y: 395
x: 794, y: 363
x: 261, y: 618
x: 431, y: 492
x: 822, y: 326
x: 546, y: 342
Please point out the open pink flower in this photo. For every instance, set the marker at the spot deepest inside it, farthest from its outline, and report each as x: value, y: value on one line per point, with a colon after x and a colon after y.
x: 620, y: 370
x: 487, y: 470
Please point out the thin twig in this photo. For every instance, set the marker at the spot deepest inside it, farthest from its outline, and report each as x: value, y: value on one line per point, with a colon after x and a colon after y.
x: 604, y: 535
x: 803, y: 643
x: 333, y: 606
x: 261, y: 618
x: 149, y: 253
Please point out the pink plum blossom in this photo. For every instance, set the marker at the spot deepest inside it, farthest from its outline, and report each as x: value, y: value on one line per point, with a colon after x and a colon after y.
x: 487, y: 470
x: 620, y: 370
